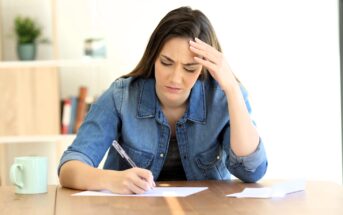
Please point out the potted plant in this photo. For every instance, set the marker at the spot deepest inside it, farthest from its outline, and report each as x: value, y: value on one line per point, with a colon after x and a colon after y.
x: 27, y: 32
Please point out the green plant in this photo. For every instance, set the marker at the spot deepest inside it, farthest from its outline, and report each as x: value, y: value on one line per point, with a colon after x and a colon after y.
x: 26, y: 30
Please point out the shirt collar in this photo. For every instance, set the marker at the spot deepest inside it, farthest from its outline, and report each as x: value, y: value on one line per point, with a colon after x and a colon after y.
x: 197, y: 103
x: 147, y: 101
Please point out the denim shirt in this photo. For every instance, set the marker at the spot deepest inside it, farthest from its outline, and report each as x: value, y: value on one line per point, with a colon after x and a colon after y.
x: 130, y: 112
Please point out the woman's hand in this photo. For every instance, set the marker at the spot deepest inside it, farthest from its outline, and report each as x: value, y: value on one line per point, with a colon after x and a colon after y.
x: 78, y: 175
x: 130, y: 181
x: 215, y: 62
x: 244, y: 138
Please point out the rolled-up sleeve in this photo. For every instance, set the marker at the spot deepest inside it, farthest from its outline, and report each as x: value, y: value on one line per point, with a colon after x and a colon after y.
x: 249, y: 168
x: 97, y: 131
x: 72, y: 155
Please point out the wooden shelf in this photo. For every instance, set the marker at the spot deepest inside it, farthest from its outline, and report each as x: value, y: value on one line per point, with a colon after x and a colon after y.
x: 37, y: 139
x: 86, y: 62
x: 30, y: 101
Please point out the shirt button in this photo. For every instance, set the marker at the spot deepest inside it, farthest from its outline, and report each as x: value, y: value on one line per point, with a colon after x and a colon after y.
x: 218, y: 157
x: 161, y: 155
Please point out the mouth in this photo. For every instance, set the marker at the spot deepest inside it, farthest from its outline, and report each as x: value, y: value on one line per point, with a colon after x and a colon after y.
x: 173, y: 89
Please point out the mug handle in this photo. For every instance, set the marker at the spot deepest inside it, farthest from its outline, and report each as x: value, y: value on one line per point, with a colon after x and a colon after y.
x: 13, y: 175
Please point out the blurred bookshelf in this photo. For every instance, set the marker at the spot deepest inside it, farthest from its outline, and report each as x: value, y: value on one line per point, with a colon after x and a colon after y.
x: 32, y: 94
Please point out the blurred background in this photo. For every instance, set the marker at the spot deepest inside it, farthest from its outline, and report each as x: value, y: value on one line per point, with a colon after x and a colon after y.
x: 286, y: 53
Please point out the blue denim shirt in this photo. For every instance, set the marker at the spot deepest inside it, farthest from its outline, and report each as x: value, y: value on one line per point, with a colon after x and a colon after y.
x: 130, y: 112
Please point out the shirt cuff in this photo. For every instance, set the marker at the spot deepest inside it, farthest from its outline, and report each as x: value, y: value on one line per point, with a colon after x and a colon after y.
x: 72, y: 155
x: 251, y: 161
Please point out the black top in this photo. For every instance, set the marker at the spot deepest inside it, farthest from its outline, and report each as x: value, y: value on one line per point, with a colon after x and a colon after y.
x: 172, y: 169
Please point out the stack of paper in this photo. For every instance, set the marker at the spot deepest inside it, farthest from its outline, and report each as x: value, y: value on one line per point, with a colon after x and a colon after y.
x: 278, y: 190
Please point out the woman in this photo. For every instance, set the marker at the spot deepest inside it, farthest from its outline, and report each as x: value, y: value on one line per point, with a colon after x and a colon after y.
x: 180, y: 115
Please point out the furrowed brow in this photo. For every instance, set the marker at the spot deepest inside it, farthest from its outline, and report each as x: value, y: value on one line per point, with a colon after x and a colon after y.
x: 191, y: 64
x: 168, y: 58
x: 185, y: 64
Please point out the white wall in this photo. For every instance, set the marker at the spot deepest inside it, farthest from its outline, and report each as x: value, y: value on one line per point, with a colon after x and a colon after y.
x: 285, y: 52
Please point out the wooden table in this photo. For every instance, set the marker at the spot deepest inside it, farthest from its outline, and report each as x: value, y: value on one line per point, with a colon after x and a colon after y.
x: 318, y: 198
x: 12, y: 203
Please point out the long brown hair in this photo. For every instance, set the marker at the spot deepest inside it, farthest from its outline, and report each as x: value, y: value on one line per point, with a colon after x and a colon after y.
x: 181, y: 22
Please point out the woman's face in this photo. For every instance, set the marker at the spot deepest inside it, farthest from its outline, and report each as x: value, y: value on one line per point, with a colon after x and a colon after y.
x: 175, y: 72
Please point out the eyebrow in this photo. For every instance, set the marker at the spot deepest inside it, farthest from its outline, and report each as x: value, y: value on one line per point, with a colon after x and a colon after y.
x: 186, y: 64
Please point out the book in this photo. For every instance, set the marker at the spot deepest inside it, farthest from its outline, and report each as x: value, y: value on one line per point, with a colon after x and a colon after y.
x: 81, y: 108
x: 73, y: 110
x: 66, y: 116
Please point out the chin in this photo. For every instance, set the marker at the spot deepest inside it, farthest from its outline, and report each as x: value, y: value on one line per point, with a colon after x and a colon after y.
x: 175, y: 98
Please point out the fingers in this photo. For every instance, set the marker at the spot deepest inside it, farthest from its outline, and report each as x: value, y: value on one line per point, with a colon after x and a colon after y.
x: 139, y: 180
x: 209, y: 65
x: 204, y: 50
x: 214, y: 61
x: 146, y: 178
x: 134, y: 188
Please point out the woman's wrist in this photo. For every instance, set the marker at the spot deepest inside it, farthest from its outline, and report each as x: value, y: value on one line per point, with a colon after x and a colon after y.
x: 231, y: 88
x: 106, y: 178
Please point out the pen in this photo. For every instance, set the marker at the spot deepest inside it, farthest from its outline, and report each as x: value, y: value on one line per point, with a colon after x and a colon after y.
x: 122, y: 153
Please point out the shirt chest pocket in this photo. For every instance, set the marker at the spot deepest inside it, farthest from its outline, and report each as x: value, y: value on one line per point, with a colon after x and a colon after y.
x: 211, y: 163
x: 141, y: 158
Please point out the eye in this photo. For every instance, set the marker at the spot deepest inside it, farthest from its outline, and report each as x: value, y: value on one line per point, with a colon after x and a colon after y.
x: 165, y: 63
x: 190, y: 69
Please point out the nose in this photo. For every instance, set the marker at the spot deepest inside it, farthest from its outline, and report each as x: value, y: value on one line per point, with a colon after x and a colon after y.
x: 176, y: 76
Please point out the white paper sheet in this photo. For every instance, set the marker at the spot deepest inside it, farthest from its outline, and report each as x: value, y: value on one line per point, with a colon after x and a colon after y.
x: 278, y: 190
x: 156, y: 192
